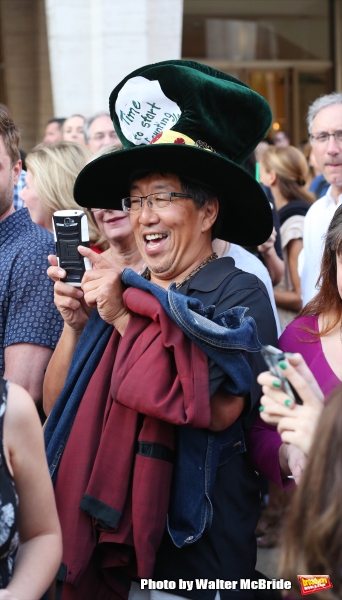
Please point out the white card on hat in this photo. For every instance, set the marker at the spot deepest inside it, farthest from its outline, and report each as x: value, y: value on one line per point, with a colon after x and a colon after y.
x: 144, y: 111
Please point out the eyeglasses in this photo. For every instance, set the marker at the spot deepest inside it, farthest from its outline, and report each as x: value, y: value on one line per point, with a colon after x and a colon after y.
x: 156, y: 201
x: 94, y: 210
x: 323, y: 137
x: 101, y: 136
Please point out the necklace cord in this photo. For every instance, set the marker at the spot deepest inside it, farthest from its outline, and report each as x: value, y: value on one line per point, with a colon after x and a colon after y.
x: 213, y: 256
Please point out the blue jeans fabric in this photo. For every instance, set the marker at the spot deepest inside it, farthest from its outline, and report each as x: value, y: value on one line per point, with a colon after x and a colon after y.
x: 223, y: 338
x: 199, y: 454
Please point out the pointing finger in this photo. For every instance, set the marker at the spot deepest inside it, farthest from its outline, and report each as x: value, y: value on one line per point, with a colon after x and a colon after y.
x: 97, y: 260
x: 53, y: 260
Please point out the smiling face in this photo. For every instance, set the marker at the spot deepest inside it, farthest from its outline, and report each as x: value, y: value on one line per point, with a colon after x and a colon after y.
x: 172, y: 240
x: 115, y: 225
x: 329, y: 155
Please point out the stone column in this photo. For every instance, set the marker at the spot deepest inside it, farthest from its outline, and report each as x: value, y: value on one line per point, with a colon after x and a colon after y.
x: 93, y: 44
x: 25, y: 68
x: 338, y: 45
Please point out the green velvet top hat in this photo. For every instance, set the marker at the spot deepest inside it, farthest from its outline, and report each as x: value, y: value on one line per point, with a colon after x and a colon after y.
x: 186, y: 118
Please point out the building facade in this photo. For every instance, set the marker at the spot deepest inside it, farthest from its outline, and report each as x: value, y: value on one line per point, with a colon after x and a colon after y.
x: 288, y: 51
x: 59, y: 57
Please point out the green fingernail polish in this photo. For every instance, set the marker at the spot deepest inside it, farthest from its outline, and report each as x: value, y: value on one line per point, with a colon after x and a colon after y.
x: 282, y: 364
x: 288, y: 402
x: 261, y: 408
x: 289, y: 353
x: 276, y: 384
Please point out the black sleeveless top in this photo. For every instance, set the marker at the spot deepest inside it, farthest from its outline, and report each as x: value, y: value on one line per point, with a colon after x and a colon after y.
x: 9, y: 538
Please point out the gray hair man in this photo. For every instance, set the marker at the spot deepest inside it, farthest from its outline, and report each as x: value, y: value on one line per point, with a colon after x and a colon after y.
x: 325, y: 131
x: 99, y: 132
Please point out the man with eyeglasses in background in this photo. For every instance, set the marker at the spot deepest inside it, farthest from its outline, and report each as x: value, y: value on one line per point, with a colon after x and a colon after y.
x: 99, y: 132
x: 325, y: 131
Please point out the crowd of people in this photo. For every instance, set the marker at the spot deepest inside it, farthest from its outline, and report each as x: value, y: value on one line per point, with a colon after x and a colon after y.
x: 165, y: 434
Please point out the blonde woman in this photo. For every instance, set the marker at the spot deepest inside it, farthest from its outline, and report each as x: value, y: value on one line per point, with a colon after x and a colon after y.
x: 285, y: 171
x: 114, y: 227
x: 51, y: 173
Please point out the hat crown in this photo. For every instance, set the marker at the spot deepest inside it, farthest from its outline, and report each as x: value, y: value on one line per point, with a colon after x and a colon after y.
x: 188, y: 119
x: 194, y: 100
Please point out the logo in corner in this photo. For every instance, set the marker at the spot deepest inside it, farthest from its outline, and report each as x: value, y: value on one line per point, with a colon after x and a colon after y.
x: 309, y: 584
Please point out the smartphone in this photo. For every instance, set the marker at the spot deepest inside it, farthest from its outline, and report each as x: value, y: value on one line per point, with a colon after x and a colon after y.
x: 70, y: 230
x: 272, y: 358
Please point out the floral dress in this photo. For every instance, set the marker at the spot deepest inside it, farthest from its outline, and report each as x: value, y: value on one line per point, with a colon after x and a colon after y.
x: 9, y: 538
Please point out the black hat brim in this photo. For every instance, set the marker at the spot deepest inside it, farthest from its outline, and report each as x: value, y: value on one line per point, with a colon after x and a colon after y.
x: 245, y: 216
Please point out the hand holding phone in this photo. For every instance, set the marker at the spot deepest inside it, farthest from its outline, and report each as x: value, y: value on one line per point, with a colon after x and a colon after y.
x: 71, y: 230
x: 272, y: 357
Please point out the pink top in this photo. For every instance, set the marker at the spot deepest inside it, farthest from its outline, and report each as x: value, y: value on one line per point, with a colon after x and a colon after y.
x: 295, y: 339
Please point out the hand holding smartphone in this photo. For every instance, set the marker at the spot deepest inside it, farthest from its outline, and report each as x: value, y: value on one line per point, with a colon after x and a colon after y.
x: 71, y: 230
x: 272, y: 357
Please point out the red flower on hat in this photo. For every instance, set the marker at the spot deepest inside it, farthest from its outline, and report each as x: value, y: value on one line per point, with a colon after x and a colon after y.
x: 156, y: 138
x: 179, y: 141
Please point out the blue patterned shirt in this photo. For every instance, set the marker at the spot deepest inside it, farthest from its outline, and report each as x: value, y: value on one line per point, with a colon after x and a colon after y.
x: 18, y: 202
x: 27, y: 311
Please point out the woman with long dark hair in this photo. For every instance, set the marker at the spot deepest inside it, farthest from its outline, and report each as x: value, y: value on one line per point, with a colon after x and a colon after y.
x: 317, y: 333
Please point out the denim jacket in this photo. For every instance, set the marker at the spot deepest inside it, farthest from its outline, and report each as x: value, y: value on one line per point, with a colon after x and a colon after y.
x: 224, y: 338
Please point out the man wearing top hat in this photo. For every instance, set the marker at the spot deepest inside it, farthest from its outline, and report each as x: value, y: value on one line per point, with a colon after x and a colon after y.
x: 185, y: 129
